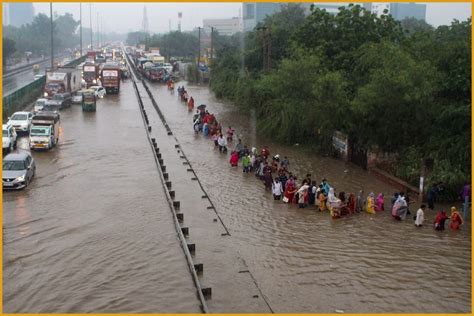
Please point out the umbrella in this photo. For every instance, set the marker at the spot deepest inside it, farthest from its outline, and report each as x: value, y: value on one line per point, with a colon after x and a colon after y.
x: 201, y: 107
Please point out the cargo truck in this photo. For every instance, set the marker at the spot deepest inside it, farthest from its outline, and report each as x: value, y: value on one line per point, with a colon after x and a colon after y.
x: 62, y: 80
x: 110, y: 76
x: 44, y: 133
x: 91, y: 56
x: 90, y: 74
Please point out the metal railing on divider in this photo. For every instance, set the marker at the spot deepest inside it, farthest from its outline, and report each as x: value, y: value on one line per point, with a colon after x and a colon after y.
x: 19, y: 99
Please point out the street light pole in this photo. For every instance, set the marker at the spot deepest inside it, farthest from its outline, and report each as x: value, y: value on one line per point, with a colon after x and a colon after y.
x: 199, y: 47
x: 90, y: 21
x: 52, y: 41
x: 212, y: 44
x: 98, y: 32
x: 80, y: 25
x: 211, y: 61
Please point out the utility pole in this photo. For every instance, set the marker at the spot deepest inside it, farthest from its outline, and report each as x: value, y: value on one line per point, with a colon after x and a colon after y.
x: 80, y: 24
x: 52, y: 41
x: 90, y: 21
x: 211, y: 61
x: 98, y: 32
x: 212, y: 45
x: 199, y: 47
x: 267, y: 47
x: 422, y: 180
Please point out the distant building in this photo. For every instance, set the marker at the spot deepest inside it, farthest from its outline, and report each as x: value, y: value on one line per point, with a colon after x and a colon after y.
x: 255, y: 12
x: 6, y: 14
x: 331, y: 8
x: 224, y: 26
x: 18, y: 13
x: 400, y: 11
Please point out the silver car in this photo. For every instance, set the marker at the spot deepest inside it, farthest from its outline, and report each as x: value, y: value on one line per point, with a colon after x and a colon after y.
x: 18, y: 170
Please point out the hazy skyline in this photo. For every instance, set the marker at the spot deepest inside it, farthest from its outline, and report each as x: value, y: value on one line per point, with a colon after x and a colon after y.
x: 125, y: 17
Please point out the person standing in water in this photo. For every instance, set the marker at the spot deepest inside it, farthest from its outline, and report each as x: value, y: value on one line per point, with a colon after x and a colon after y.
x: 420, y: 216
x: 285, y: 163
x: 326, y: 187
x: 234, y: 159
x: 455, y: 219
x: 290, y: 190
x: 222, y: 144
x: 439, y: 221
x: 246, y: 163
x: 360, y: 202
x: 277, y: 189
x: 267, y: 175
x: 371, y: 203
x: 230, y: 134
x: 379, y: 203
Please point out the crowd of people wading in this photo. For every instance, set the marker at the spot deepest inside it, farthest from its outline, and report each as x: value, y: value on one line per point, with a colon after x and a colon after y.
x: 274, y: 172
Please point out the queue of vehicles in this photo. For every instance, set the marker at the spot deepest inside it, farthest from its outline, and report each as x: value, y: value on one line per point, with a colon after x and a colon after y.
x: 151, y: 64
x: 64, y: 86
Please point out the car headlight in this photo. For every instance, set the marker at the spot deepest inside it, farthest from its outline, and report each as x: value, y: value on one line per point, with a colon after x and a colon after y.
x: 21, y: 178
x: 46, y: 94
x: 94, y: 81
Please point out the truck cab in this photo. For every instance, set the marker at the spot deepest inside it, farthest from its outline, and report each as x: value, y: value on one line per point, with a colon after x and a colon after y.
x: 51, y: 88
x: 44, y: 133
x: 41, y: 137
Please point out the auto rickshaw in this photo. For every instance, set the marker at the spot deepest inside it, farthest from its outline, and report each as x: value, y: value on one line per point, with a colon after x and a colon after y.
x: 88, y: 100
x: 36, y: 68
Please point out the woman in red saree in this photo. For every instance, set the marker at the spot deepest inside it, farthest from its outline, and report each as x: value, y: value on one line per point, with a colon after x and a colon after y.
x: 439, y: 221
x: 234, y: 159
x: 290, y: 190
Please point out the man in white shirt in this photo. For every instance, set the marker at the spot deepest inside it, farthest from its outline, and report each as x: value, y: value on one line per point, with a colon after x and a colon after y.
x: 277, y: 189
x: 420, y: 216
x: 222, y: 142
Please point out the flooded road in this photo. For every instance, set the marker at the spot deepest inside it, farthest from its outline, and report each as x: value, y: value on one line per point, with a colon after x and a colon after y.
x: 93, y: 231
x: 303, y: 260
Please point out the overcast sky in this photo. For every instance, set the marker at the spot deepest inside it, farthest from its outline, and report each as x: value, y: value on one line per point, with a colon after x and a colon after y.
x: 124, y: 17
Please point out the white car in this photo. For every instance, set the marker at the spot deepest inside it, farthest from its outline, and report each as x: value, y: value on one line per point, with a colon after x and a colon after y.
x: 8, y: 138
x: 77, y: 98
x: 39, y: 104
x: 21, y: 121
x: 38, y: 77
x: 99, y: 91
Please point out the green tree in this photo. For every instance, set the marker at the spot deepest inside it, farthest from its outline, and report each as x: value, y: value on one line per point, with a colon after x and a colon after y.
x: 339, y: 36
x: 35, y: 37
x: 8, y: 49
x: 135, y: 38
x: 412, y: 25
x: 396, y: 101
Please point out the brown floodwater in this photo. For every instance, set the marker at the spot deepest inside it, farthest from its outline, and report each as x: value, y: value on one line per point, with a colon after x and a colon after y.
x: 303, y: 260
x: 93, y: 231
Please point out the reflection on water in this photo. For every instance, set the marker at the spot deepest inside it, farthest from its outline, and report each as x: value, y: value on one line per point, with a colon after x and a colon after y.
x: 303, y: 260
